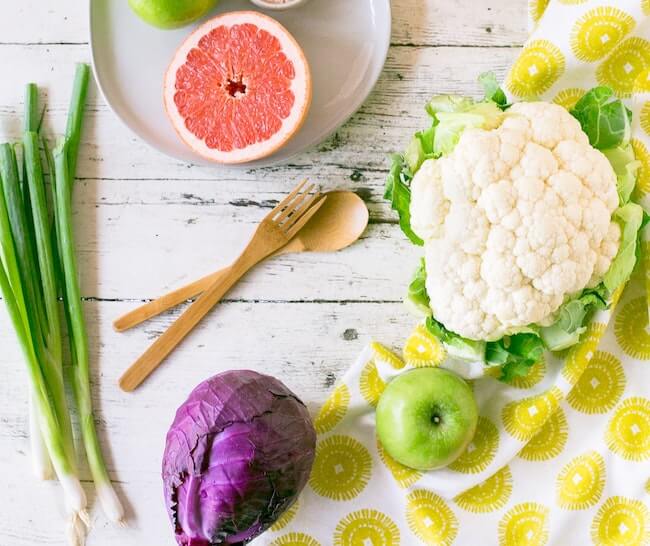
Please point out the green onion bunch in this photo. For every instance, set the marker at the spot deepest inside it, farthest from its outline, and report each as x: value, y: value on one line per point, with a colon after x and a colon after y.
x: 39, y: 283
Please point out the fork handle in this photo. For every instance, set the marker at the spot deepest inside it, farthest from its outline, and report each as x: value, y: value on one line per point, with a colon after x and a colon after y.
x: 183, y: 325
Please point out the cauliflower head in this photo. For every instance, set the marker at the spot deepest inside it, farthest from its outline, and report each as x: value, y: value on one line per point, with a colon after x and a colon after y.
x: 515, y: 221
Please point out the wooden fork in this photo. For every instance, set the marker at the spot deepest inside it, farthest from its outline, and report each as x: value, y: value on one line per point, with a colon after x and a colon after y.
x: 275, y: 231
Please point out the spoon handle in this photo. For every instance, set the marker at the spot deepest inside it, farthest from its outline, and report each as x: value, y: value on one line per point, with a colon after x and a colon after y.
x: 163, y: 303
x: 180, y: 295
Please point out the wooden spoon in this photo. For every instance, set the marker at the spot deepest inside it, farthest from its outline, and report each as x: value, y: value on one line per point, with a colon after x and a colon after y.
x: 337, y: 224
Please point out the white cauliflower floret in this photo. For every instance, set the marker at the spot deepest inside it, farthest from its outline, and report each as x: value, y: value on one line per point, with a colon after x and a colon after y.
x: 515, y: 220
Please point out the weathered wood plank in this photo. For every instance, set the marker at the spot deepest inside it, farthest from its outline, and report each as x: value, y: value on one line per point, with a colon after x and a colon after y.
x: 419, y: 22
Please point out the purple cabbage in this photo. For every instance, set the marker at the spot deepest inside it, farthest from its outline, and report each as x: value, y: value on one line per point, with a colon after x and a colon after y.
x: 238, y: 454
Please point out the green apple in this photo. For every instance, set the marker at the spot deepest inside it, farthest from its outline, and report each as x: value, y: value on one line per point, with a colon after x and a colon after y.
x: 426, y: 418
x: 171, y: 13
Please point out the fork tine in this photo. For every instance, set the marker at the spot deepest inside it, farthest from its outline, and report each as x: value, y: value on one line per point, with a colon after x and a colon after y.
x: 282, y: 204
x: 294, y: 207
x: 300, y: 223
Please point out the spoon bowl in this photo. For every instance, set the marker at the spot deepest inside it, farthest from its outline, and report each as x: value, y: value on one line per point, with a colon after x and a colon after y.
x: 338, y: 223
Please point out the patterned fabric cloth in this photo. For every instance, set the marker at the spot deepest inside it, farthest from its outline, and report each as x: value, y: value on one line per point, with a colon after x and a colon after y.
x: 561, y: 456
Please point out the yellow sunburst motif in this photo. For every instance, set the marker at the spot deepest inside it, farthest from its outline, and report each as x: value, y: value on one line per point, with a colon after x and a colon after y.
x: 403, y: 475
x: 370, y: 384
x: 579, y: 356
x: 631, y: 328
x: 538, y: 67
x: 567, y: 98
x: 430, y: 519
x: 642, y: 83
x: 524, y: 418
x: 645, y: 117
x: 620, y: 70
x: 488, y: 496
x: 599, y: 31
x: 369, y: 527
x: 628, y: 431
x: 600, y: 386
x: 286, y: 518
x: 383, y: 355
x: 535, y: 374
x: 422, y: 349
x: 549, y: 441
x: 647, y: 486
x: 481, y: 450
x: 525, y: 524
x: 536, y: 8
x: 333, y: 410
x: 295, y: 539
x: 643, y: 174
x: 646, y: 6
x: 581, y: 481
x: 341, y: 469
x: 621, y: 522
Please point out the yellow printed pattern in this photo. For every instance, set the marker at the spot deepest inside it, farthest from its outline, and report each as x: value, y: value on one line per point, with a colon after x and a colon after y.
x: 630, y: 328
x: 333, y: 410
x: 295, y: 539
x: 371, y: 385
x: 549, y: 441
x: 488, y: 496
x: 567, y: 98
x: 599, y: 31
x: 366, y: 527
x: 538, y: 67
x: 580, y: 483
x: 601, y: 385
x: 579, y: 355
x: 523, y: 419
x: 621, y: 522
x: 526, y: 524
x: 481, y: 450
x: 537, y: 8
x: 423, y: 349
x: 645, y: 117
x: 628, y: 431
x: 621, y: 69
x: 383, y: 355
x: 342, y: 468
x: 430, y: 519
x: 404, y: 476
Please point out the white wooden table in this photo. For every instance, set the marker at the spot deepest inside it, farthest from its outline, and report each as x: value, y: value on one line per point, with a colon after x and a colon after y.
x: 146, y: 223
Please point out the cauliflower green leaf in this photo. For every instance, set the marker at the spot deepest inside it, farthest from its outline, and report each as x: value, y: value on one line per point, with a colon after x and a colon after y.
x: 399, y: 194
x: 626, y: 167
x: 604, y: 118
x: 630, y: 218
x: 493, y: 91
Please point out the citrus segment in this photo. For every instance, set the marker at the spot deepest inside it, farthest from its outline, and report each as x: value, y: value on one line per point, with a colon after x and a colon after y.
x: 238, y: 88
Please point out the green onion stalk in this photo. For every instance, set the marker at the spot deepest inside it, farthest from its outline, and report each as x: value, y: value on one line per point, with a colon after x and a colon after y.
x: 65, y: 160
x: 37, y: 266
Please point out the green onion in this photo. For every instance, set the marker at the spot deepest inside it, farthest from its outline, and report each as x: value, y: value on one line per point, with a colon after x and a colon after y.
x: 37, y: 266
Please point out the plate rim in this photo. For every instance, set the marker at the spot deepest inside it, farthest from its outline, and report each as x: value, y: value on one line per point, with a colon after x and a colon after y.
x: 257, y: 164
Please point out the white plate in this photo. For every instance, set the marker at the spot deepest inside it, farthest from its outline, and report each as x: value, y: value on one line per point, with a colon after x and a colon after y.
x: 345, y: 41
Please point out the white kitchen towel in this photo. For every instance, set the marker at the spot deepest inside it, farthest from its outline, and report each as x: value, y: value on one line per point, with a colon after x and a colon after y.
x: 561, y: 456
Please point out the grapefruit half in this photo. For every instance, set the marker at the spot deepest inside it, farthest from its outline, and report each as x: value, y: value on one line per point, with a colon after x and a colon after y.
x: 238, y: 88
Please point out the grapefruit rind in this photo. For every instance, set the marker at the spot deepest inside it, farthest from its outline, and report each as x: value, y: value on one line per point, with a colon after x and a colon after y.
x: 300, y: 87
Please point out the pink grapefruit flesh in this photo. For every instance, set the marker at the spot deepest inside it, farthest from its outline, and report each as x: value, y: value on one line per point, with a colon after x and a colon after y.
x: 238, y: 88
